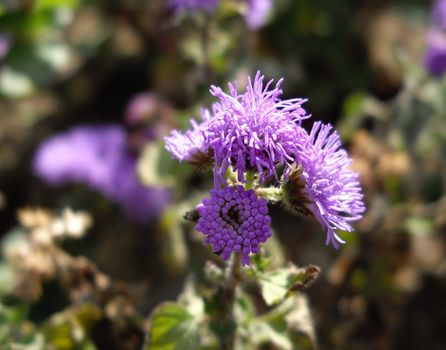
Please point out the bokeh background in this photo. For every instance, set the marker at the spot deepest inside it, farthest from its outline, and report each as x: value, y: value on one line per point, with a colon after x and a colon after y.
x: 89, y: 88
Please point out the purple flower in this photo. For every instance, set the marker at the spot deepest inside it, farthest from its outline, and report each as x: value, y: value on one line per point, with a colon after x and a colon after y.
x: 139, y: 203
x: 332, y: 189
x: 254, y: 131
x: 439, y: 14
x: 194, y: 5
x: 147, y: 118
x: 192, y: 146
x: 435, y: 56
x: 87, y: 154
x: 257, y: 13
x: 5, y: 45
x: 234, y: 220
x: 98, y: 157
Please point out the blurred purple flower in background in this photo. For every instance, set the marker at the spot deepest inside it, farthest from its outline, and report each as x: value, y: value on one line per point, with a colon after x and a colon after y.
x: 194, y: 5
x: 87, y: 154
x: 147, y: 117
x: 97, y: 156
x: 257, y: 13
x: 439, y: 14
x: 5, y: 45
x: 435, y: 56
x: 139, y: 203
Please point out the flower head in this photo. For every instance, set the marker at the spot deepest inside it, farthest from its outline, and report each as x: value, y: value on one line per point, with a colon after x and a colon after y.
x: 194, y: 5
x: 87, y: 154
x: 439, y: 14
x: 435, y: 56
x: 257, y: 13
x: 234, y: 220
x: 331, y: 189
x: 192, y: 146
x: 255, y: 130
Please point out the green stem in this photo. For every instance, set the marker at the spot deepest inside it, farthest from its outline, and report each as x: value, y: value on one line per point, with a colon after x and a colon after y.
x: 271, y: 194
x: 233, y: 279
x: 250, y: 177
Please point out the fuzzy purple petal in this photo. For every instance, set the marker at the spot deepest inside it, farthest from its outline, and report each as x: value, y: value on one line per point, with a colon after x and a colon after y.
x: 257, y: 126
x: 331, y: 186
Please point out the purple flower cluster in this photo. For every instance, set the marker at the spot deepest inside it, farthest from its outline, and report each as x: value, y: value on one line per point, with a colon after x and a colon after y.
x: 435, y: 56
x: 258, y: 132
x: 234, y: 220
x: 86, y: 154
x: 98, y: 157
x: 254, y: 131
x: 332, y: 188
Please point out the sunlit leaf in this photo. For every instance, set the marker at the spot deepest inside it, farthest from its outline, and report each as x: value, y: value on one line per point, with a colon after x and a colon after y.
x: 70, y: 328
x: 173, y: 327
x: 264, y: 333
x: 275, y: 285
x: 7, y: 279
x: 157, y: 168
x: 15, y: 84
x: 173, y: 248
x: 419, y: 226
x: 54, y: 4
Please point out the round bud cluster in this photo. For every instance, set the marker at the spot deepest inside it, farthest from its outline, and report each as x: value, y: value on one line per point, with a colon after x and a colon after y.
x: 234, y: 220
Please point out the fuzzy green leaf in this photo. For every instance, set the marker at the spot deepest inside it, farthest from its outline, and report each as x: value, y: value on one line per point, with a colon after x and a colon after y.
x: 173, y: 327
x: 275, y: 285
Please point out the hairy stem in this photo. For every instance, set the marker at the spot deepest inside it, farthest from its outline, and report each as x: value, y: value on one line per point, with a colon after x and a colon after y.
x: 234, y: 276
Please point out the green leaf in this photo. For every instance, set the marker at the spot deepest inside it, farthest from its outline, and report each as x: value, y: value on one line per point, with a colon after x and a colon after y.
x: 419, y: 226
x: 14, y: 83
x: 357, y: 107
x: 157, y: 168
x: 287, y: 326
x: 264, y: 333
x: 173, y: 248
x: 54, y: 4
x: 69, y: 329
x: 173, y: 327
x: 275, y: 285
x: 7, y: 279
